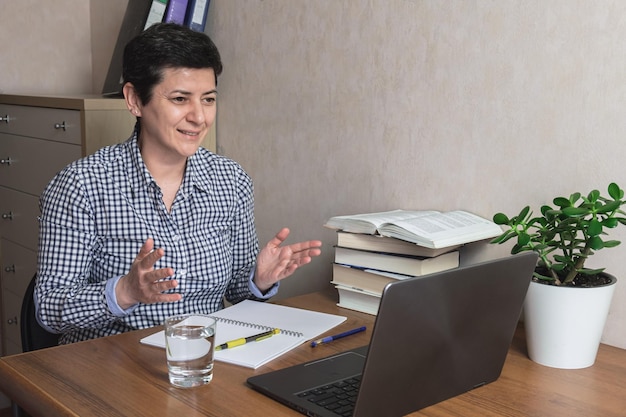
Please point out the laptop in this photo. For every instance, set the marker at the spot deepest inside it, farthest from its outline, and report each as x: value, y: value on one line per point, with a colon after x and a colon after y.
x: 434, y: 337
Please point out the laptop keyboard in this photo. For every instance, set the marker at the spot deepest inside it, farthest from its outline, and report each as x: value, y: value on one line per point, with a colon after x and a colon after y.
x: 338, y: 397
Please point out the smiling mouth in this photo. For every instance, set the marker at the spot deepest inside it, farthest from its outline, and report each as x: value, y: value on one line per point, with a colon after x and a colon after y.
x: 188, y: 133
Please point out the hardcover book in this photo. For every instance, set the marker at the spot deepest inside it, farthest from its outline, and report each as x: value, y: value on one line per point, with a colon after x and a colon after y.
x: 400, y: 264
x: 358, y: 300
x: 364, y: 279
x: 377, y: 243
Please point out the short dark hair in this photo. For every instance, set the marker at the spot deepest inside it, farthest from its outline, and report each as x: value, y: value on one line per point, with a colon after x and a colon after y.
x: 162, y: 46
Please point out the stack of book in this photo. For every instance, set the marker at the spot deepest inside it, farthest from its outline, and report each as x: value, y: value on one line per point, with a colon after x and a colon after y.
x: 374, y: 249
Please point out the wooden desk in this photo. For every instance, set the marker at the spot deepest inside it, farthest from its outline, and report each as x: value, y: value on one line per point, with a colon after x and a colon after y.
x: 118, y: 376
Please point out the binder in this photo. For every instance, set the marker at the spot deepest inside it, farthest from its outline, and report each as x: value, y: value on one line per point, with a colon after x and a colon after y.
x: 176, y: 11
x: 156, y: 14
x: 197, y: 14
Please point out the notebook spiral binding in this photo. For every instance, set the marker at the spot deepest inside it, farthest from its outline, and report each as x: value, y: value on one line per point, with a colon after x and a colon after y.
x: 257, y: 326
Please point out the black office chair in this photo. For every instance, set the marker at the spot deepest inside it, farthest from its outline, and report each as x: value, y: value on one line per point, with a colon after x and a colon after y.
x: 34, y: 336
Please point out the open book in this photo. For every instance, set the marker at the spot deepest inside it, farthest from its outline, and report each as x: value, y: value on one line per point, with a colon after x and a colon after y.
x: 431, y: 229
x: 248, y: 318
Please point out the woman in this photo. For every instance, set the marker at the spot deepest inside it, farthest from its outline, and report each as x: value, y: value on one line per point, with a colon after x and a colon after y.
x: 157, y: 225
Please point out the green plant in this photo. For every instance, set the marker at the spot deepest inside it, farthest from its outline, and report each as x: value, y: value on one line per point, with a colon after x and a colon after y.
x: 566, y: 236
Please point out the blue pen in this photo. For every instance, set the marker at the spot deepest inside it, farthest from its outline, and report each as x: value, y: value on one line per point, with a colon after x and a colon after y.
x: 337, y: 336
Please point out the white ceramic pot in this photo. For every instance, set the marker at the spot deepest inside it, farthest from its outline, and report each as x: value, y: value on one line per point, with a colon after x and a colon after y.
x: 564, y: 325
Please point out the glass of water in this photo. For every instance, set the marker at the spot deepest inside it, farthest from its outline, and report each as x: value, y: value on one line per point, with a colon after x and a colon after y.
x: 189, y: 344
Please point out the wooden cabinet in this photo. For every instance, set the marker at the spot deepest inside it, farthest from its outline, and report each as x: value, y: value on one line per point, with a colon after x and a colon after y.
x: 38, y: 137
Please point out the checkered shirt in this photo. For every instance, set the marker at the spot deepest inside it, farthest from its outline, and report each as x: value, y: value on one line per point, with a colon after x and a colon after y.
x: 98, y: 211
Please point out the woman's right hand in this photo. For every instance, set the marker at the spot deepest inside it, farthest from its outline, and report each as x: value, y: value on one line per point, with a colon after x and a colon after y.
x: 143, y: 283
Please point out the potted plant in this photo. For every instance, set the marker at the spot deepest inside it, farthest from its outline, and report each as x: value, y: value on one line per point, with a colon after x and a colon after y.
x: 567, y: 303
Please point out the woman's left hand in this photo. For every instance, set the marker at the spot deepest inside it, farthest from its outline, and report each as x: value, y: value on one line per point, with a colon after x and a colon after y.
x: 276, y: 262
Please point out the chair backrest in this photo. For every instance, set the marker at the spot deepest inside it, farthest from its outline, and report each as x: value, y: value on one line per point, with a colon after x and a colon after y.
x: 34, y: 336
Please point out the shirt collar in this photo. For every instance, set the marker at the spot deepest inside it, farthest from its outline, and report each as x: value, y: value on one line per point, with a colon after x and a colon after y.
x: 195, y: 176
x: 140, y: 175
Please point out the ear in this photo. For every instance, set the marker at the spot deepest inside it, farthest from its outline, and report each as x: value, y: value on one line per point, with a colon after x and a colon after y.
x: 132, y: 99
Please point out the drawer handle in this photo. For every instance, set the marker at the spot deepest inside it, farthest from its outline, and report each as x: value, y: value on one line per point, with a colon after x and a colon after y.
x: 6, y: 118
x: 60, y: 125
x: 7, y: 216
x: 9, y: 268
x: 6, y: 161
x: 12, y: 321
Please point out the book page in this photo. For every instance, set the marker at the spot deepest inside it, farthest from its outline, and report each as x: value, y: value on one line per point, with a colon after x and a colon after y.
x: 442, y: 229
x: 368, y: 223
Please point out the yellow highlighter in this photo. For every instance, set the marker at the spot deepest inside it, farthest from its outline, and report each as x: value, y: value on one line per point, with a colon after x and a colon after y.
x: 243, y: 340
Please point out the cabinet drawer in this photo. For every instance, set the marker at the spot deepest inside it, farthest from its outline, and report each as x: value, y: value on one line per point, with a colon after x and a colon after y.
x: 18, y: 217
x: 11, y: 348
x: 19, y: 264
x: 29, y: 164
x: 11, y: 307
x: 40, y: 122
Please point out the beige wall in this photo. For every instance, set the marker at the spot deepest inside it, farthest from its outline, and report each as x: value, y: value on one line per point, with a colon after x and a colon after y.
x: 106, y: 19
x: 353, y: 106
x: 338, y: 107
x: 47, y: 50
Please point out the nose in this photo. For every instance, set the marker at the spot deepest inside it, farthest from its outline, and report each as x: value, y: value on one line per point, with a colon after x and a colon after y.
x: 196, y: 113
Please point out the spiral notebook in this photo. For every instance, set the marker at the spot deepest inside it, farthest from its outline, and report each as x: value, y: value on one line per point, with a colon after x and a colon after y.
x: 248, y: 318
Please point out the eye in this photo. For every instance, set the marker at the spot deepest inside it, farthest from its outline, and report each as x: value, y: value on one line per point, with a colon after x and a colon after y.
x: 179, y: 99
x: 209, y: 100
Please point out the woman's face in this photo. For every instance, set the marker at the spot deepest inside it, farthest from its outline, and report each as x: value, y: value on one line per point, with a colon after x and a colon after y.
x: 179, y: 115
